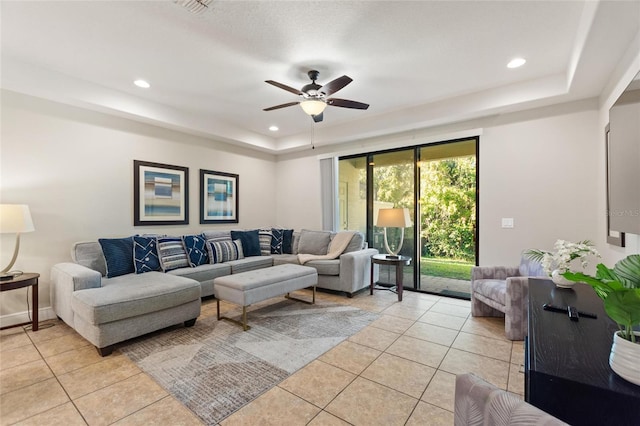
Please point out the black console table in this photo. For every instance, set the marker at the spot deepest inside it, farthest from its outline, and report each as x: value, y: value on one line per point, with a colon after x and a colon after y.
x: 567, y: 371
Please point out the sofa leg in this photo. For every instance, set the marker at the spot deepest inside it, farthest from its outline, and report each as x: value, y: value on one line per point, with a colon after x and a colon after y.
x: 190, y: 323
x: 350, y: 295
x: 107, y: 350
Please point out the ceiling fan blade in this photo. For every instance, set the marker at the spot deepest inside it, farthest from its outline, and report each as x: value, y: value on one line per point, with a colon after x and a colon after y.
x: 284, y: 86
x: 335, y: 85
x: 318, y: 117
x: 288, y: 104
x: 345, y: 103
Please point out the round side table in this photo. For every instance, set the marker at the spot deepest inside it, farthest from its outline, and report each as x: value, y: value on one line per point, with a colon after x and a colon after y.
x: 398, y: 261
x: 24, y: 280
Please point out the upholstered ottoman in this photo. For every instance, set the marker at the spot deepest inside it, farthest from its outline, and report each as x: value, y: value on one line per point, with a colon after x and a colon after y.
x: 255, y: 286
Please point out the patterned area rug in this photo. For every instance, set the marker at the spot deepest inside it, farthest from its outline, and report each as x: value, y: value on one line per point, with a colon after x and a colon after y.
x: 214, y: 368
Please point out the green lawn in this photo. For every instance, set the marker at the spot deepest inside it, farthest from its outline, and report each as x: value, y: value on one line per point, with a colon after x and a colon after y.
x: 458, y: 269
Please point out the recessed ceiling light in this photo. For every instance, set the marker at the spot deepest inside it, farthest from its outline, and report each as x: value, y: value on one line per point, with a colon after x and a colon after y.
x: 274, y: 128
x: 142, y: 83
x: 516, y: 62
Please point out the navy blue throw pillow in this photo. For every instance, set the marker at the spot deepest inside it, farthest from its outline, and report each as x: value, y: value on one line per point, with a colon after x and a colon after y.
x: 250, y: 241
x: 276, y: 240
x: 196, y: 246
x: 287, y: 241
x: 281, y: 241
x: 145, y: 254
x: 118, y: 252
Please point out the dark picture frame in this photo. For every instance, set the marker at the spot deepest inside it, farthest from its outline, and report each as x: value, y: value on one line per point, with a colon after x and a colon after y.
x: 160, y: 194
x: 615, y: 238
x: 219, y: 197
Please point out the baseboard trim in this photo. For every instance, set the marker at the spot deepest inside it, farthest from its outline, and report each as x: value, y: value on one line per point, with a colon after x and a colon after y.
x: 22, y: 317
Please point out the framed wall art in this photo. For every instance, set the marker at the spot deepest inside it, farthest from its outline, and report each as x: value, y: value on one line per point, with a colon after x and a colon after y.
x: 218, y: 197
x: 160, y: 194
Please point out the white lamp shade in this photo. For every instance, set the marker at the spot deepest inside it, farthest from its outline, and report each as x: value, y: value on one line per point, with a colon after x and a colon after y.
x: 313, y: 106
x: 393, y: 218
x: 15, y: 218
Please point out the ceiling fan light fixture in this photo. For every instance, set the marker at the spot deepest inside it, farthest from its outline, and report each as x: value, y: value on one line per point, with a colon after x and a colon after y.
x: 313, y: 106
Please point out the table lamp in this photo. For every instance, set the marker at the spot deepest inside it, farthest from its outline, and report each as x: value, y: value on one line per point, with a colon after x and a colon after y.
x: 393, y: 218
x: 14, y: 218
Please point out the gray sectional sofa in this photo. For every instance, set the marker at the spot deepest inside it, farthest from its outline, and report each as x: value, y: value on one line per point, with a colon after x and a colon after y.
x: 108, y: 309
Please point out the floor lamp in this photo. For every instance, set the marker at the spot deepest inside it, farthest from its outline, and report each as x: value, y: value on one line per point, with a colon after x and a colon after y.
x: 393, y: 218
x: 14, y: 219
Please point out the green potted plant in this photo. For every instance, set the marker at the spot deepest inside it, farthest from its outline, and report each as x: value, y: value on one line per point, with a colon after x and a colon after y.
x: 619, y: 288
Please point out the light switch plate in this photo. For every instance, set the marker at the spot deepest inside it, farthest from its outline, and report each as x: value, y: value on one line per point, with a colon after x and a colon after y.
x: 507, y: 222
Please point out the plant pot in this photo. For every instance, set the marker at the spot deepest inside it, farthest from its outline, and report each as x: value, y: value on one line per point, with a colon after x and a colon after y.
x: 560, y: 281
x: 624, y: 358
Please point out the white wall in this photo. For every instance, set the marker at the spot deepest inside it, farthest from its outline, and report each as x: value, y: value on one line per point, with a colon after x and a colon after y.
x: 74, y: 168
x: 298, y: 194
x: 541, y: 172
x: 536, y: 167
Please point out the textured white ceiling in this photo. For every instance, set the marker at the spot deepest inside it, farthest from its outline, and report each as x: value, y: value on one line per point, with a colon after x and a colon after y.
x: 417, y: 63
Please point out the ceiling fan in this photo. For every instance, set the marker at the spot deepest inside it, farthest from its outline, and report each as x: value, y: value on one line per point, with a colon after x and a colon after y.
x: 315, y: 97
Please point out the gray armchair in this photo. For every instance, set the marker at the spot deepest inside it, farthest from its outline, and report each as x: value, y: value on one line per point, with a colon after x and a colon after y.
x: 503, y: 291
x: 478, y: 403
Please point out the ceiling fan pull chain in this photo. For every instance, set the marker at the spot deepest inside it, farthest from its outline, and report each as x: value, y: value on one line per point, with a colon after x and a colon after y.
x: 313, y: 131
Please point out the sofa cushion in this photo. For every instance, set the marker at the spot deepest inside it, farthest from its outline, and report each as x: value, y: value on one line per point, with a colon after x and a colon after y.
x: 145, y: 254
x: 133, y: 295
x: 118, y: 253
x: 314, y: 242
x: 196, y: 248
x: 281, y: 259
x: 172, y: 253
x: 495, y: 290
x: 217, y: 235
x: 250, y: 241
x: 224, y: 251
x: 89, y: 254
x: 203, y: 272
x: 325, y: 267
x: 356, y: 243
x: 250, y: 263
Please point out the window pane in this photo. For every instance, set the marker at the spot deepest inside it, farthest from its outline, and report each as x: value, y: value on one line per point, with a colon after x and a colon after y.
x: 352, y: 194
x: 393, y: 187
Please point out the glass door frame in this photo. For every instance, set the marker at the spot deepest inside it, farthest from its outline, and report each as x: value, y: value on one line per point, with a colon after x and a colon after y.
x: 415, y: 264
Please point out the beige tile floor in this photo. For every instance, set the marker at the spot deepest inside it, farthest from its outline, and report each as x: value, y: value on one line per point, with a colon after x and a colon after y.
x: 400, y: 370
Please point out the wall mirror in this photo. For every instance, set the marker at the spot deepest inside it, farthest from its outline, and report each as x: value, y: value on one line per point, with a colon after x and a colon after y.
x: 622, y: 144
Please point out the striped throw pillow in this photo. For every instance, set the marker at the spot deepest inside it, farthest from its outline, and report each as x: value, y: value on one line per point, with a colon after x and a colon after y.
x: 265, y: 236
x: 224, y: 251
x: 172, y: 253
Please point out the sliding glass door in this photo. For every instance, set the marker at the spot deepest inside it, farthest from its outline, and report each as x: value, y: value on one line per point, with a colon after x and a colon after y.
x: 437, y: 184
x: 392, y: 183
x: 447, y: 226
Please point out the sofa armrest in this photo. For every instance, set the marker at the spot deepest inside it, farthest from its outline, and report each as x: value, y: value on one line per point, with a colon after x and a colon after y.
x: 67, y: 278
x: 494, y: 272
x: 516, y: 307
x: 355, y: 269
